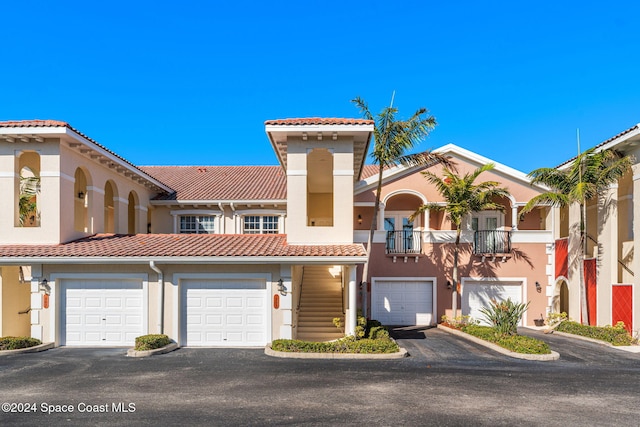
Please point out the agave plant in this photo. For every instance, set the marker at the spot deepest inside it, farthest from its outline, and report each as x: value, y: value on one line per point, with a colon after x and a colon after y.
x: 504, y: 315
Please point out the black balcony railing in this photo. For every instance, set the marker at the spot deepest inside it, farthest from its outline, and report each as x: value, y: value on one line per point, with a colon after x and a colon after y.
x: 404, y: 242
x: 491, y: 242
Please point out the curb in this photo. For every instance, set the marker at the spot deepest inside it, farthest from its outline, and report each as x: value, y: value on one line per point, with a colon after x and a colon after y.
x: 146, y: 353
x: 362, y: 356
x: 34, y: 349
x: 628, y: 348
x: 537, y: 357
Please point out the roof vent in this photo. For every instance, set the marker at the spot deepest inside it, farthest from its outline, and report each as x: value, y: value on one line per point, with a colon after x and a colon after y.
x: 202, y: 170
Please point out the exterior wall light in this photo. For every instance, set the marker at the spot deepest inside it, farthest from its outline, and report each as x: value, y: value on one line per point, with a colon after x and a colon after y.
x: 359, y: 219
x: 449, y: 285
x: 281, y: 287
x: 81, y: 195
x: 538, y: 287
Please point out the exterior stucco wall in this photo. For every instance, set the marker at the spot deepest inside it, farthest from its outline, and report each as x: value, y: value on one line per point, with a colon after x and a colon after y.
x: 530, y: 264
x: 171, y: 305
x: 14, y: 298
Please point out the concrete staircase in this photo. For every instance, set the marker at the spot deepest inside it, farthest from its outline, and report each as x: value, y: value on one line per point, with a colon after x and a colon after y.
x: 320, y: 302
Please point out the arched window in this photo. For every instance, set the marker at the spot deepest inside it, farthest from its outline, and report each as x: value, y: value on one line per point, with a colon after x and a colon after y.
x: 81, y: 201
x: 28, y: 190
x: 132, y: 213
x: 110, y: 207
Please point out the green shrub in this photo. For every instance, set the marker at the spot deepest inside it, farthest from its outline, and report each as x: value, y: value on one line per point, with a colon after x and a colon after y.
x: 616, y: 335
x: 14, y: 343
x: 363, y: 326
x: 516, y: 343
x: 378, y: 332
x: 151, y: 342
x: 458, y: 322
x: 504, y: 315
x: 345, y: 345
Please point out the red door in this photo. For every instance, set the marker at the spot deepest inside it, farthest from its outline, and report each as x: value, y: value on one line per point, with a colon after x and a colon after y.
x: 622, y: 305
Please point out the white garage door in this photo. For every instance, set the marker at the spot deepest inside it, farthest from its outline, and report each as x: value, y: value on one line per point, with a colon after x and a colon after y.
x: 224, y: 313
x: 402, y: 302
x: 102, y: 312
x: 476, y: 295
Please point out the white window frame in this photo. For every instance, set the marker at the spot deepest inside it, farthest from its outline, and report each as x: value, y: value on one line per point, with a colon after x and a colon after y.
x: 482, y: 219
x: 260, y: 224
x: 240, y: 216
x: 196, y: 213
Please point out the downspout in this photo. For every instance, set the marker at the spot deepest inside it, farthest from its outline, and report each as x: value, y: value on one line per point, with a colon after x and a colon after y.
x: 152, y: 265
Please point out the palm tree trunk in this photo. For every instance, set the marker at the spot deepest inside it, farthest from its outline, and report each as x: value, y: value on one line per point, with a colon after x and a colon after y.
x: 454, y: 289
x: 372, y: 230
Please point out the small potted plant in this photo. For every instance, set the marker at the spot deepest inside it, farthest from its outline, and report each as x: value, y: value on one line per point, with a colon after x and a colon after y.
x: 540, y: 321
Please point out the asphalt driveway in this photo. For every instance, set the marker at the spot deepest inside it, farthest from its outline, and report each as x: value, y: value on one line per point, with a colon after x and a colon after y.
x: 446, y: 381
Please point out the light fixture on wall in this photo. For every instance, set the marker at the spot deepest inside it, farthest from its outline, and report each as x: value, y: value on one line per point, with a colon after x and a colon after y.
x: 359, y: 219
x: 538, y: 287
x: 449, y: 285
x: 281, y: 288
x: 81, y: 195
x: 44, y: 286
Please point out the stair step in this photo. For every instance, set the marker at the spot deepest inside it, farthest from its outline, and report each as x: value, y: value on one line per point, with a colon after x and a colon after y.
x: 318, y: 337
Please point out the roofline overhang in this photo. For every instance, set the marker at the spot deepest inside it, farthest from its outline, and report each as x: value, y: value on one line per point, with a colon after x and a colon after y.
x: 59, y: 131
x: 454, y: 150
x: 620, y: 138
x: 215, y: 202
x: 187, y: 260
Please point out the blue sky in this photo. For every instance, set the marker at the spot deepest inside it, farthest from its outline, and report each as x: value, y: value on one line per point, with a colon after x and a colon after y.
x: 192, y: 82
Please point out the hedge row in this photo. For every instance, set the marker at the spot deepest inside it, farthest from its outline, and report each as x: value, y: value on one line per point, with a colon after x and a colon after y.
x: 345, y: 345
x: 14, y: 343
x: 515, y: 343
x: 615, y: 335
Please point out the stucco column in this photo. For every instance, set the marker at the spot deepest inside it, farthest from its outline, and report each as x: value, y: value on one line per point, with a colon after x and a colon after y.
x: 514, y: 217
x: 352, y: 313
x: 635, y: 265
x: 608, y: 257
x: 286, y: 302
x: 573, y: 261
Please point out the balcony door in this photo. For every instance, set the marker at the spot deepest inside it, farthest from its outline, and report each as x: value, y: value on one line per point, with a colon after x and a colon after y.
x: 401, y: 233
x: 485, y: 225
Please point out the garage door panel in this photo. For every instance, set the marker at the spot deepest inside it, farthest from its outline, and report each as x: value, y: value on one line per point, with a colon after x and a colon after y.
x: 403, y: 302
x: 478, y: 295
x: 102, y: 312
x: 232, y: 312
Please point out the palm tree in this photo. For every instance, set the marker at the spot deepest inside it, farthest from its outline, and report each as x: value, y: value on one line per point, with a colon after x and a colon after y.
x: 587, y: 176
x: 393, y: 139
x: 462, y: 198
x: 27, y: 204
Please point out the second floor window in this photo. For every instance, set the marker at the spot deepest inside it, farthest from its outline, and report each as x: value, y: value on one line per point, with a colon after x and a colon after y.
x: 197, y: 224
x: 260, y: 224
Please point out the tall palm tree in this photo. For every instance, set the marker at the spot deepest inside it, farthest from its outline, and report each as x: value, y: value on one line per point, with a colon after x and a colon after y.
x: 587, y: 176
x: 462, y: 197
x: 393, y: 139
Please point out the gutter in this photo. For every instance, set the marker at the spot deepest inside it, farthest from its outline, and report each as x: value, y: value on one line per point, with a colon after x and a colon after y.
x: 152, y: 265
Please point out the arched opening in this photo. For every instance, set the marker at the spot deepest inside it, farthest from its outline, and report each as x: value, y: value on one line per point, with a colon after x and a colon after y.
x: 403, y: 235
x: 320, y: 188
x: 110, y: 207
x: 27, y: 190
x: 81, y: 201
x: 563, y: 305
x: 132, y: 213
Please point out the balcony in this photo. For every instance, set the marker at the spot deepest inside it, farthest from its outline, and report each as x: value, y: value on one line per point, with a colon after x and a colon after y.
x: 403, y: 242
x: 491, y: 242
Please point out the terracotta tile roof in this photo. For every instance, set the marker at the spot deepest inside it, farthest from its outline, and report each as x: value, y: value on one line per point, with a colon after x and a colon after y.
x: 34, y: 123
x: 315, y: 121
x: 603, y: 143
x: 180, y: 245
x: 57, y: 123
x: 221, y: 182
x: 369, y: 170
